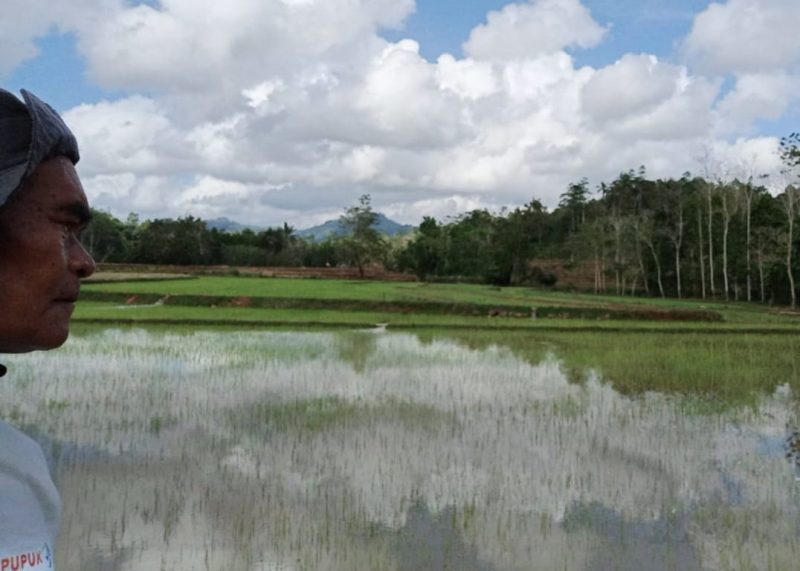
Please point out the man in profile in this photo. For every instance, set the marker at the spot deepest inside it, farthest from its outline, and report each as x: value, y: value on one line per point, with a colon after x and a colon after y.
x: 43, y: 209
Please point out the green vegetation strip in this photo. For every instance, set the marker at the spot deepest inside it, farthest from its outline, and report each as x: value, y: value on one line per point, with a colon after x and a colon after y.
x: 109, y: 313
x: 353, y: 295
x: 301, y: 288
x: 269, y: 324
x: 721, y: 371
x: 423, y: 307
x: 319, y: 414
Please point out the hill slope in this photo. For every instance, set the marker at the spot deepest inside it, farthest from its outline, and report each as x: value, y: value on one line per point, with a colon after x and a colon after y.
x: 334, y: 228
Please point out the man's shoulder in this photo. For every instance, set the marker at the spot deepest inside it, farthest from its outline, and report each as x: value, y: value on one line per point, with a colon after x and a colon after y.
x: 20, y: 456
x: 13, y: 443
x: 29, y: 504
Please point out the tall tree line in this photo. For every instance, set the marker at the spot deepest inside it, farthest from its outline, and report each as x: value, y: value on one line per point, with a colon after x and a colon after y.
x: 677, y: 237
x: 189, y: 241
x: 672, y: 237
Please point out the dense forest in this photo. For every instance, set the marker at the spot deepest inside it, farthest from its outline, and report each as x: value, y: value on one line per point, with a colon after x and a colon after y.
x: 687, y: 237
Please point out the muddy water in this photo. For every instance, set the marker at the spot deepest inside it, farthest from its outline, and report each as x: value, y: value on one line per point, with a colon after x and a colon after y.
x: 382, y: 451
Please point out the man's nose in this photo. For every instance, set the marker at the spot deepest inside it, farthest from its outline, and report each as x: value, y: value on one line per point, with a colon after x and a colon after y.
x: 81, y: 261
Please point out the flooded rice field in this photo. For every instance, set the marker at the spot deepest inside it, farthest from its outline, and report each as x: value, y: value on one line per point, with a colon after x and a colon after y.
x: 387, y: 451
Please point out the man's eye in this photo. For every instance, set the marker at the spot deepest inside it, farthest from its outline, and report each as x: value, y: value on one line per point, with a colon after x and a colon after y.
x: 74, y: 231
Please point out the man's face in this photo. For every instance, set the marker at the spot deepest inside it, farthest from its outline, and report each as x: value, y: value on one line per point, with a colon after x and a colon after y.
x: 41, y: 258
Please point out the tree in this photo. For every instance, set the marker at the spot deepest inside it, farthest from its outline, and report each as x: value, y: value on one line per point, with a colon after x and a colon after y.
x: 185, y: 241
x: 574, y: 201
x: 698, y: 206
x: 748, y: 191
x: 623, y: 197
x: 513, y: 242
x: 363, y: 244
x: 766, y: 246
x: 646, y: 232
x: 790, y: 200
x: 468, y: 244
x: 280, y: 245
x: 710, y: 190
x: 730, y: 204
x: 105, y: 238
x: 673, y: 202
x: 595, y: 237
x: 425, y: 255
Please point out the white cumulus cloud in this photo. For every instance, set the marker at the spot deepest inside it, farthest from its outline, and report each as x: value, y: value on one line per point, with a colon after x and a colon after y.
x: 757, y: 96
x: 521, y: 31
x: 746, y: 36
x: 647, y: 83
x: 273, y: 110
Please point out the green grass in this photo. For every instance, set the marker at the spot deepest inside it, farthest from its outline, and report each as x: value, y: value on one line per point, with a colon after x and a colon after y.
x: 347, y: 292
x: 717, y: 370
x: 111, y: 312
x: 720, y: 370
x: 312, y: 289
x: 105, y: 312
x: 376, y: 291
x: 319, y: 414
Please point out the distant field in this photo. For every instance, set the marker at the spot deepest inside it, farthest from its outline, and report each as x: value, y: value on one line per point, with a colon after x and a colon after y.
x: 103, y: 277
x: 331, y: 289
x: 112, y: 313
x: 743, y: 314
x: 387, y: 291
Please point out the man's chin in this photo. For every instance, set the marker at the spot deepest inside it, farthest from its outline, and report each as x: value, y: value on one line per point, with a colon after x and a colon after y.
x: 42, y: 341
x: 54, y: 340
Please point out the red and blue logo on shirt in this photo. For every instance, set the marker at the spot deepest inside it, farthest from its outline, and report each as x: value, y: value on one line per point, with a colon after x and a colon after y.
x: 28, y: 560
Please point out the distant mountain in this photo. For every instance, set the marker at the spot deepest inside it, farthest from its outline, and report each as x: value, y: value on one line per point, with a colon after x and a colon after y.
x: 227, y: 225
x: 334, y: 228
x: 330, y: 228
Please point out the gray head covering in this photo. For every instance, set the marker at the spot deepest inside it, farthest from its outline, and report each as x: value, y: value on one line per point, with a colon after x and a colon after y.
x: 30, y: 133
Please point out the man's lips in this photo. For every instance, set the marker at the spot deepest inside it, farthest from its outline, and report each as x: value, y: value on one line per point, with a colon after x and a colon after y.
x: 66, y: 299
x: 68, y: 296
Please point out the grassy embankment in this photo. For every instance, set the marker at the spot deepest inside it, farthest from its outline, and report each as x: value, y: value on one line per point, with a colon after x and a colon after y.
x: 720, y: 370
x: 327, y: 303
x: 757, y: 353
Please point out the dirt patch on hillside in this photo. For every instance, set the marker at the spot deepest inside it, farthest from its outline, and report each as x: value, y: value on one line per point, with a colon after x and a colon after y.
x: 127, y: 272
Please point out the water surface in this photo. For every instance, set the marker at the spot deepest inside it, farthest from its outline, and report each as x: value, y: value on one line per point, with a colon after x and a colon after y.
x: 381, y: 451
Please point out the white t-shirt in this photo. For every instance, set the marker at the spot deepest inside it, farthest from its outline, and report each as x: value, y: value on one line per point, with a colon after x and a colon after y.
x: 30, y: 509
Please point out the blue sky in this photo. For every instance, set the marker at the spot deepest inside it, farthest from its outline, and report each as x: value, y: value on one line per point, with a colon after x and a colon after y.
x: 648, y: 26
x: 655, y: 27
x: 58, y: 74
x: 289, y: 109
x: 651, y: 26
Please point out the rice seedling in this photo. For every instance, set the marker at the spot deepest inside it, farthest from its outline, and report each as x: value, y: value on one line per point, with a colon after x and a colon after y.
x: 280, y: 450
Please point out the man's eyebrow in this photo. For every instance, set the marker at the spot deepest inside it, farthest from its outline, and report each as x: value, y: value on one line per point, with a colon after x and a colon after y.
x: 79, y: 210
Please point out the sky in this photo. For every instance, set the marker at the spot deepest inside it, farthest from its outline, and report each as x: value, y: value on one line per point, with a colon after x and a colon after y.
x: 265, y: 111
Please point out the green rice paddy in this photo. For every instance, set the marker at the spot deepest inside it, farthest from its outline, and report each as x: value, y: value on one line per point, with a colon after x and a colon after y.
x: 192, y: 434
x: 180, y: 448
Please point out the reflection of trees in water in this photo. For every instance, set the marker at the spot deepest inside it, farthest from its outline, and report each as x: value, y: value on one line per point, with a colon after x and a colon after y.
x: 433, y: 542
x: 507, y: 451
x: 662, y: 544
x: 529, y: 347
x: 791, y: 440
x: 96, y: 560
x: 792, y: 447
x: 526, y: 346
x: 356, y: 347
x: 725, y: 370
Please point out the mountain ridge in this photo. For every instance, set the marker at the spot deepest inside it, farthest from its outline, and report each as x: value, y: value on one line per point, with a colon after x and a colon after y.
x: 384, y: 225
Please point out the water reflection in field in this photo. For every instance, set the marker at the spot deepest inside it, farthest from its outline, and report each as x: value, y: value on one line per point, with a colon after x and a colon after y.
x: 364, y: 451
